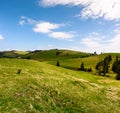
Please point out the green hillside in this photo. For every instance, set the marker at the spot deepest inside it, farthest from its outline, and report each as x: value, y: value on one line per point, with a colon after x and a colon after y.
x: 55, y: 54
x: 44, y: 88
x: 89, y: 61
x: 12, y: 54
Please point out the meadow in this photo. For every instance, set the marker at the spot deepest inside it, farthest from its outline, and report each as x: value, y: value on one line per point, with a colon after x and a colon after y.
x: 41, y: 87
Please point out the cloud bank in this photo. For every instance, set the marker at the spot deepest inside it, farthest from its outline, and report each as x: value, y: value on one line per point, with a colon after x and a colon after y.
x: 101, y: 43
x: 108, y: 9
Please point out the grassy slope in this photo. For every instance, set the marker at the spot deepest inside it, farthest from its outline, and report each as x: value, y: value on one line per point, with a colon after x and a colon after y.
x: 48, y: 55
x: 12, y: 54
x: 21, y: 52
x: 50, y: 89
x: 90, y: 61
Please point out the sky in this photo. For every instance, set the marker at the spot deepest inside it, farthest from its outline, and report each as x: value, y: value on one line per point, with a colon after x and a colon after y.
x: 81, y: 25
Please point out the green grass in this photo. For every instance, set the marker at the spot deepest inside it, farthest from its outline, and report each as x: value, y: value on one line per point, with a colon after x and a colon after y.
x: 50, y: 55
x: 41, y: 87
x: 12, y: 54
x: 21, y: 52
x: 89, y: 61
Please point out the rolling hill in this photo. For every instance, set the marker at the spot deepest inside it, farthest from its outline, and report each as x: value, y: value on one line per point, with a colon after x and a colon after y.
x: 90, y: 60
x: 12, y: 54
x: 54, y: 54
x: 41, y: 87
x: 67, y: 58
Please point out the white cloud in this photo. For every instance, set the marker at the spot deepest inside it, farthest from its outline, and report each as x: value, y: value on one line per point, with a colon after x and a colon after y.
x: 61, y: 35
x: 25, y: 20
x: 50, y: 45
x: 108, y: 9
x: 22, y: 22
x: 63, y: 2
x: 49, y: 29
x: 45, y: 27
x: 117, y: 29
x: 1, y: 37
x: 101, y: 43
x: 91, y: 42
x: 114, y: 43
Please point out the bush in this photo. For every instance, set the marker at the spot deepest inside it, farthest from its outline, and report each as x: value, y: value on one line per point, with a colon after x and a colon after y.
x: 89, y: 69
x: 19, y: 71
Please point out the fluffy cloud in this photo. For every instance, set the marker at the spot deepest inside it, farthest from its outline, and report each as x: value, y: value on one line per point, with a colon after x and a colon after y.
x: 1, y: 37
x: 108, y: 9
x: 101, y: 43
x: 61, y: 35
x: 49, y: 29
x: 64, y: 2
x: 45, y: 27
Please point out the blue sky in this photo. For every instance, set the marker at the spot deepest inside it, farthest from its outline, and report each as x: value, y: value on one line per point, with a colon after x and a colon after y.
x: 82, y: 25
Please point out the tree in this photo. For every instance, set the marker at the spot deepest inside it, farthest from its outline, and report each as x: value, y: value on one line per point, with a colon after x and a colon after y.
x: 95, y: 53
x: 106, y: 64
x: 57, y: 64
x: 118, y: 71
x: 116, y: 68
x: 99, y: 67
x: 82, y: 66
x: 57, y: 53
x: 103, y: 66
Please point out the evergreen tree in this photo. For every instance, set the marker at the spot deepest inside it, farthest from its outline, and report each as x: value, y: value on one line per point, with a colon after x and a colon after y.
x: 99, y: 67
x: 57, y: 64
x: 103, y: 66
x: 116, y: 68
x: 82, y: 66
x: 106, y: 64
x: 118, y: 71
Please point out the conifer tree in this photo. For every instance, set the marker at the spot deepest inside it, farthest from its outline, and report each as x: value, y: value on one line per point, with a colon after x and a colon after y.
x: 57, y: 64
x: 116, y: 68
x: 103, y: 66
x: 82, y: 66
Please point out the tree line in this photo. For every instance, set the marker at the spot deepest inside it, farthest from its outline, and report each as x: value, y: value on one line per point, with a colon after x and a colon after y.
x: 103, y: 66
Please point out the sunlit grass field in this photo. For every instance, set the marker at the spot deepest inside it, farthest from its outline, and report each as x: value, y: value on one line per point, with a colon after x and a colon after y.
x: 44, y: 88
x: 50, y: 55
x: 89, y: 61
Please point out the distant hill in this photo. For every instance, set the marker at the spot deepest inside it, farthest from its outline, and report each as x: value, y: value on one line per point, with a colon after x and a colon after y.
x: 55, y: 54
x: 12, y: 54
x: 89, y: 62
x: 67, y: 58
x: 44, y: 88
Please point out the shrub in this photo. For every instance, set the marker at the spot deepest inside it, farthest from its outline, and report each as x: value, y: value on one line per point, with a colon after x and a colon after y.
x: 19, y: 71
x: 89, y: 69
